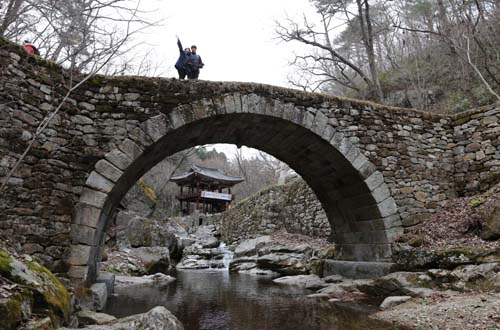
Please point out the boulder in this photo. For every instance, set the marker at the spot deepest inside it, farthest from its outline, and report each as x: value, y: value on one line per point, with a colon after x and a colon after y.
x: 283, y: 263
x: 15, y: 307
x: 248, y: 247
x: 158, y: 318
x: 394, y: 301
x: 90, y: 317
x: 99, y: 293
x: 156, y: 279
x: 258, y: 272
x: 193, y: 262
x: 333, y: 279
x: 410, y: 259
x: 312, y: 282
x: 205, y: 236
x: 491, y: 224
x: 133, y: 230
x: 285, y: 259
x: 36, y: 290
x: 155, y: 259
x: 43, y: 324
x: 396, y: 284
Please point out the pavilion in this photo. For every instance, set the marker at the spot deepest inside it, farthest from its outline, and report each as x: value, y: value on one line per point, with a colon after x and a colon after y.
x: 204, y: 187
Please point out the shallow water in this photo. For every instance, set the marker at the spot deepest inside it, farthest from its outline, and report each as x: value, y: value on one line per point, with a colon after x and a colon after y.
x: 216, y: 300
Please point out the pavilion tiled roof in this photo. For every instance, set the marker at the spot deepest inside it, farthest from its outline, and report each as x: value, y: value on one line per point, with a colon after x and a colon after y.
x: 210, y: 174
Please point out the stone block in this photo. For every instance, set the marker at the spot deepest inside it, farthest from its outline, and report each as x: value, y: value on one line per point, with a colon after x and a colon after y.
x: 328, y: 133
x: 298, y: 115
x: 83, y: 235
x: 288, y: 111
x: 99, y: 295
x: 374, y: 181
x: 308, y: 119
x: 381, y: 193
x: 251, y: 103
x: 320, y: 122
x: 357, y: 269
x: 367, y: 169
x: 277, y: 108
x: 78, y: 272
x: 363, y: 252
x: 81, y: 120
x: 229, y: 103
x: 175, y: 119
x: 86, y: 215
x: 155, y: 127
x: 118, y: 159
x: 140, y: 137
x: 93, y: 197
x: 109, y: 280
x: 388, y: 207
x: 99, y: 182
x: 394, y: 301
x: 79, y: 255
x: 130, y: 148
x: 108, y: 170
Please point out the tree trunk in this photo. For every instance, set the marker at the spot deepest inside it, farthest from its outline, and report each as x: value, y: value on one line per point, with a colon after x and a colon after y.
x: 13, y: 8
x: 367, y: 36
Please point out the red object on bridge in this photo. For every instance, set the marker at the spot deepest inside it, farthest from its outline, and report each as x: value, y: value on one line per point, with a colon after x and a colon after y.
x: 30, y: 48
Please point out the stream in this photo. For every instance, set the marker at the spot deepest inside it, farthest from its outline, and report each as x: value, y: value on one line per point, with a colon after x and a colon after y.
x: 216, y: 300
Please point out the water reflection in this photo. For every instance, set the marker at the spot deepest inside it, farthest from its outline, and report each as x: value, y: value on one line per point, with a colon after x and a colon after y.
x: 216, y: 300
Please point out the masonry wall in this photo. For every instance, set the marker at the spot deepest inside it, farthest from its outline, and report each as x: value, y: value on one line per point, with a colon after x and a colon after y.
x: 293, y: 207
x: 424, y: 158
x: 477, y: 150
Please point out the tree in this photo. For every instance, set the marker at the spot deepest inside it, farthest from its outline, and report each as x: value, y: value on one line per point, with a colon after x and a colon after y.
x: 77, y: 33
x: 437, y: 53
x: 330, y: 61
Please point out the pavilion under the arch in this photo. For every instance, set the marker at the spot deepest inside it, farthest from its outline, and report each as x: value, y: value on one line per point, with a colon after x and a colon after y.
x: 202, y: 188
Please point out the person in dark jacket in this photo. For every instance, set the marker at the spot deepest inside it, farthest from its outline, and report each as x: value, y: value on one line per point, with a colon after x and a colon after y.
x: 181, y: 64
x: 194, y: 64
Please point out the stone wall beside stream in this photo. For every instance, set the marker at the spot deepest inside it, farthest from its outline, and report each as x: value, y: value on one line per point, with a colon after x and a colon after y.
x: 293, y: 207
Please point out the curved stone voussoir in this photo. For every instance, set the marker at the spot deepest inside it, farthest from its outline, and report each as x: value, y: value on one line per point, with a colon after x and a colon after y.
x: 118, y: 159
x: 131, y: 149
x: 99, y: 182
x: 320, y: 123
x: 156, y: 127
x: 251, y: 103
x: 93, y: 197
x: 79, y: 255
x: 86, y: 215
x: 375, y: 180
x: 108, y: 170
x: 140, y: 137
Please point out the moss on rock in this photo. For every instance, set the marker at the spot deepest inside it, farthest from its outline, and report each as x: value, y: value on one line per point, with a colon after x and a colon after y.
x: 43, y: 292
x: 53, y: 291
x: 5, y: 262
x: 15, y: 309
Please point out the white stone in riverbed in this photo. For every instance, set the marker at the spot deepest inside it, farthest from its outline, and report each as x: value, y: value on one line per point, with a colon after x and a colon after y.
x: 90, y: 317
x: 147, y: 279
x: 312, y: 282
x: 394, y: 301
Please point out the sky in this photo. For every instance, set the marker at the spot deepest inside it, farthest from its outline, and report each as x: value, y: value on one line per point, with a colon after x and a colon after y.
x: 236, y: 39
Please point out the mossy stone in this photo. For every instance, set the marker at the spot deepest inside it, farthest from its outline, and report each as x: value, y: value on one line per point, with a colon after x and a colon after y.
x: 53, y: 291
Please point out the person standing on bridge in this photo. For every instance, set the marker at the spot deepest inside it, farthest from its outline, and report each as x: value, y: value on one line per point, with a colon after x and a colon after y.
x: 194, y: 64
x: 181, y: 64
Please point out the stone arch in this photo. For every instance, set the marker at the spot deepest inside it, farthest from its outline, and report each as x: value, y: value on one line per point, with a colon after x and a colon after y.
x: 363, y: 215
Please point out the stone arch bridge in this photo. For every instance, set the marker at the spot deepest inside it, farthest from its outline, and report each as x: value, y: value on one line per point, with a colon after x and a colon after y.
x: 374, y: 169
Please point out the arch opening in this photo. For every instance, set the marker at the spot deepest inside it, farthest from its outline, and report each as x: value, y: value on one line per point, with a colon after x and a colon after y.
x: 360, y: 209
